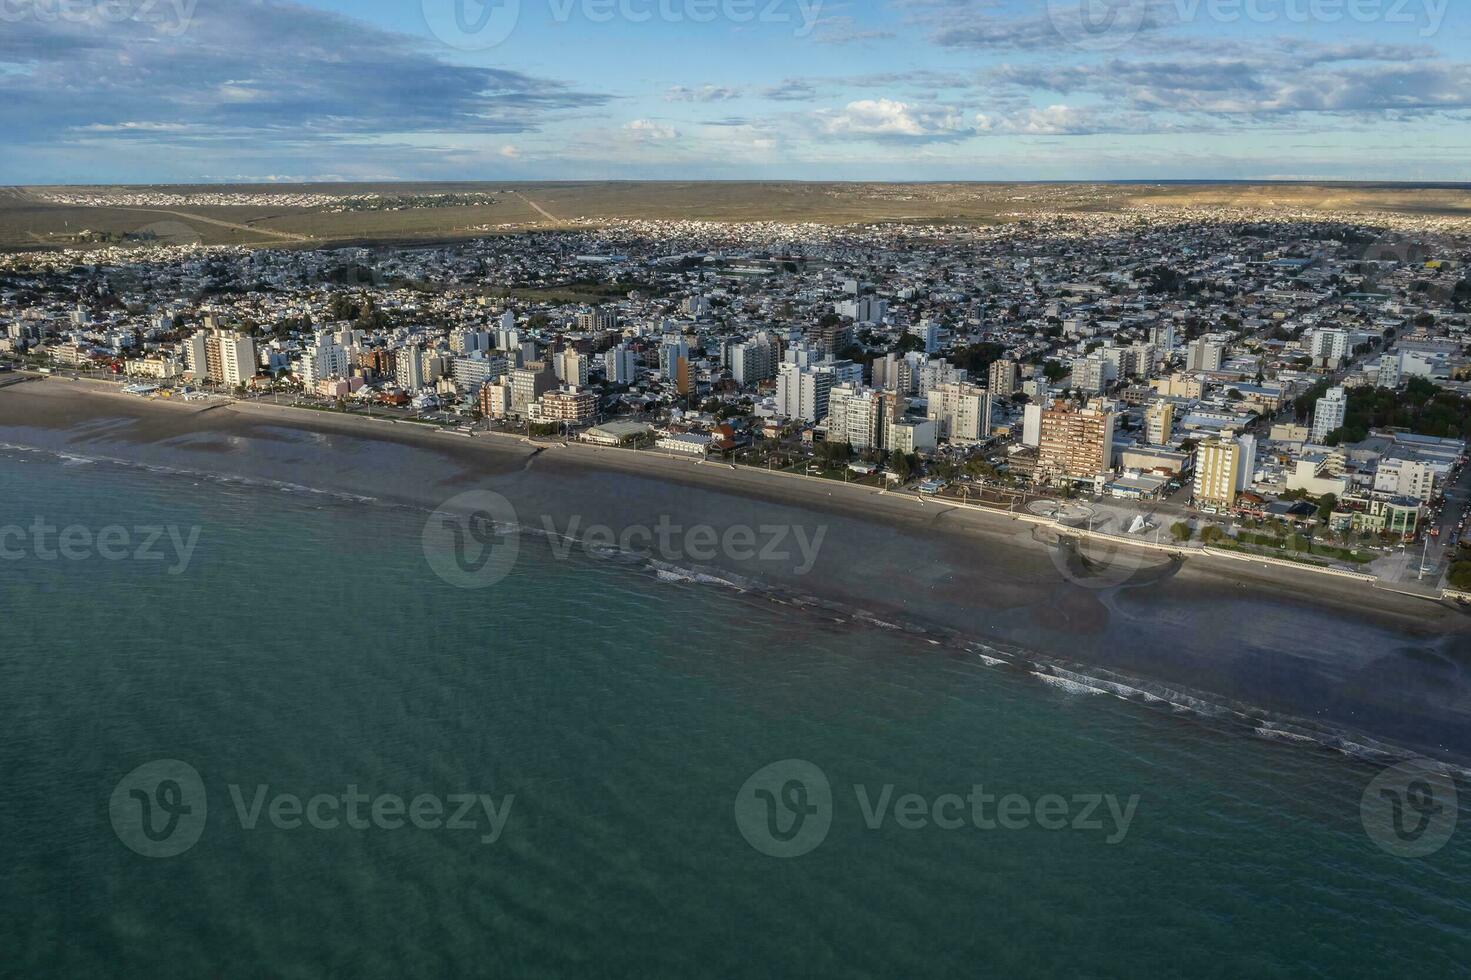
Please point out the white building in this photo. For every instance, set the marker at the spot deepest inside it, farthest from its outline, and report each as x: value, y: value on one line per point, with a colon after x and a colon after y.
x: 1330, y: 346
x: 1205, y: 355
x: 1406, y: 478
x: 325, y: 359
x: 909, y: 435
x: 408, y: 368
x: 1032, y: 425
x: 670, y: 354
x: 685, y: 444
x: 571, y: 368
x: 936, y: 372
x: 803, y: 394
x: 620, y: 365
x: 753, y: 360
x: 928, y: 333
x: 237, y: 359
x: 853, y: 417
x: 1328, y: 414
x: 1391, y: 371
x: 961, y: 411
x: 476, y: 369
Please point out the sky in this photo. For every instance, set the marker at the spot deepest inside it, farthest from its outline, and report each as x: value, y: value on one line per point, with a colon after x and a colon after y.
x: 160, y: 91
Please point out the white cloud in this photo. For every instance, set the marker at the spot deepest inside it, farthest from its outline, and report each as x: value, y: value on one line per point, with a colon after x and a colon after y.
x: 649, y: 130
x: 888, y: 118
x: 704, y: 93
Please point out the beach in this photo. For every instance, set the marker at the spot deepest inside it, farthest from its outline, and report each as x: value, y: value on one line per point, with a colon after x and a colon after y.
x: 1232, y: 643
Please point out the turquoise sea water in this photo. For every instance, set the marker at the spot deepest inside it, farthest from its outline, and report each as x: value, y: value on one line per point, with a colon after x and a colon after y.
x: 308, y: 647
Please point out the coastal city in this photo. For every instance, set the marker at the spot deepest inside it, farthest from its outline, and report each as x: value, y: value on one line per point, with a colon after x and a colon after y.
x: 707, y: 488
x: 1268, y: 387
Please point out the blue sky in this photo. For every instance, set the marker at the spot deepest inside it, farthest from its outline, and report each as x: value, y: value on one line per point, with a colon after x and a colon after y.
x: 205, y: 90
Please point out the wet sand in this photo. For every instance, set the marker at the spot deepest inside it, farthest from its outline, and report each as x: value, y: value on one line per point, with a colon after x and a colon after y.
x: 1259, y: 643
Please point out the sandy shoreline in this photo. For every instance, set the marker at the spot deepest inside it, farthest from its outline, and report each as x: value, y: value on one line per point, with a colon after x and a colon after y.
x: 1305, y: 645
x: 501, y: 453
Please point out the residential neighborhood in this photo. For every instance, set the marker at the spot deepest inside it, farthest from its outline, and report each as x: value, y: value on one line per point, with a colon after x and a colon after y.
x: 1294, y: 390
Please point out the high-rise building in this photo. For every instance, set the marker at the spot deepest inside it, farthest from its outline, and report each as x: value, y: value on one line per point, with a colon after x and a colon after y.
x: 1246, y: 469
x: 409, y: 368
x: 854, y: 416
x: 528, y: 384
x: 1391, y: 370
x: 474, y: 370
x: 803, y: 393
x: 908, y: 435
x: 237, y: 359
x: 495, y: 399
x: 927, y: 374
x: 1205, y: 355
x: 1074, y: 443
x: 1159, y: 422
x: 670, y: 354
x: 620, y: 365
x: 684, y: 377
x: 832, y: 339
x: 961, y: 411
x: 1218, y: 470
x: 1141, y: 360
x: 571, y: 367
x: 928, y: 334
x: 1330, y: 346
x: 1032, y: 425
x: 863, y: 309
x: 753, y: 360
x: 467, y: 340
x: 597, y: 320
x: 1003, y: 378
x: 1091, y: 374
x: 1328, y: 413
x: 1163, y: 337
x: 222, y: 356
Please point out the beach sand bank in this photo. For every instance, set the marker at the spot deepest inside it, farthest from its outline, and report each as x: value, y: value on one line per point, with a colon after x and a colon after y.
x: 1247, y: 638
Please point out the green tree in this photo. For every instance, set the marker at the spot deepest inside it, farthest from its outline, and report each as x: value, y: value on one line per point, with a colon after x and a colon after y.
x: 904, y: 465
x: 835, y: 453
x: 1326, y: 505
x: 909, y: 342
x: 1181, y: 532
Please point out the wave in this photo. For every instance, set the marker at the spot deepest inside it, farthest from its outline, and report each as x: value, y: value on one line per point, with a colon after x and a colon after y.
x: 1057, y: 674
x: 1078, y: 679
x: 285, y: 486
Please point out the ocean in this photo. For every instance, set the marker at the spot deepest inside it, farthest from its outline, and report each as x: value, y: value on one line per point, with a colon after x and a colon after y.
x: 654, y: 774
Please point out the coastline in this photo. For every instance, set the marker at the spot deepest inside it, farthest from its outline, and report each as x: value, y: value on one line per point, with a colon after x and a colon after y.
x: 1245, y: 634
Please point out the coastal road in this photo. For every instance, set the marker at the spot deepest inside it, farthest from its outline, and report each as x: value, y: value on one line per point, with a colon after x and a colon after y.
x: 1437, y: 553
